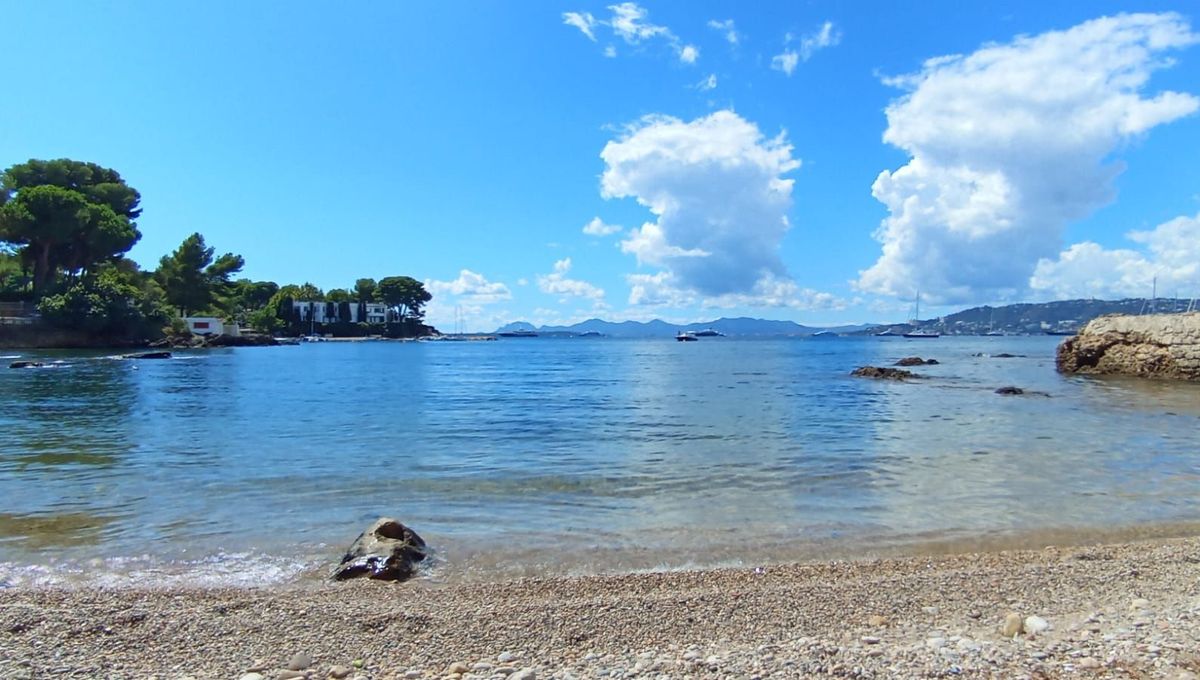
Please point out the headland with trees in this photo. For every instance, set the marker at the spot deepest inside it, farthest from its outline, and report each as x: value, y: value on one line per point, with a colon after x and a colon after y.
x: 65, y: 280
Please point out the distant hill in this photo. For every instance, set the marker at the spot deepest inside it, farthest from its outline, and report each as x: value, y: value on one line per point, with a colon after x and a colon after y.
x: 1038, y: 317
x: 741, y: 326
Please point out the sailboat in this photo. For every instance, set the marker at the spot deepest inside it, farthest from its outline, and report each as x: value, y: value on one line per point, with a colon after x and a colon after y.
x: 919, y: 333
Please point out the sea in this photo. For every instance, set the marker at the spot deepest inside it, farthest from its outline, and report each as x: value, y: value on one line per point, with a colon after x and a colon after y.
x: 535, y: 457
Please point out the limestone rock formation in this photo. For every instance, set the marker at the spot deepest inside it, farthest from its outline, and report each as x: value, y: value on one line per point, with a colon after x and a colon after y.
x: 1151, y: 346
x: 386, y: 551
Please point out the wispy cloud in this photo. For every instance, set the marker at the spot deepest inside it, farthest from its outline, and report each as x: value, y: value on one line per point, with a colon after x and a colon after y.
x: 597, y: 227
x: 809, y: 44
x: 584, y: 21
x: 728, y: 29
x: 630, y: 22
x: 709, y: 83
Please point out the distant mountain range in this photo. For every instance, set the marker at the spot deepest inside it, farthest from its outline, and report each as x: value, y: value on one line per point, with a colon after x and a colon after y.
x: 741, y: 326
x: 1023, y: 318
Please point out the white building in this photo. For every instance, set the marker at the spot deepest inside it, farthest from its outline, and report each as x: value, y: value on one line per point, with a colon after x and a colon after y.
x: 210, y: 325
x: 327, y: 312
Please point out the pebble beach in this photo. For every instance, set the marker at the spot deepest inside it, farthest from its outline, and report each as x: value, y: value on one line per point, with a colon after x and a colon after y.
x: 1128, y: 610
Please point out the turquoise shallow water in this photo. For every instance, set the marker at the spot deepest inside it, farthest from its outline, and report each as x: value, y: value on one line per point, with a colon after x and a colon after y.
x: 570, y: 456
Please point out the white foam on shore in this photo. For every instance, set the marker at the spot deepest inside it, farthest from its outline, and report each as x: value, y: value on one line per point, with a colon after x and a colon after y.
x: 221, y: 570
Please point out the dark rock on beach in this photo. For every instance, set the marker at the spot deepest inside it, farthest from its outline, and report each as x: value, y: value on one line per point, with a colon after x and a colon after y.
x: 916, y: 361
x: 25, y: 364
x: 386, y: 551
x: 883, y: 373
x: 148, y: 355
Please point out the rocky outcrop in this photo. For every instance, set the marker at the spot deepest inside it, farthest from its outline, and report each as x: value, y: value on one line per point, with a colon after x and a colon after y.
x: 25, y: 364
x: 883, y: 373
x: 1151, y: 346
x: 386, y: 551
x: 916, y: 361
x: 148, y: 355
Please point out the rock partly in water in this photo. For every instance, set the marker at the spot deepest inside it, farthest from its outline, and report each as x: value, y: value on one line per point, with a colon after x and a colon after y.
x: 883, y: 373
x: 25, y: 364
x: 916, y: 361
x: 1150, y: 346
x: 1014, y: 390
x: 386, y: 551
x: 148, y: 355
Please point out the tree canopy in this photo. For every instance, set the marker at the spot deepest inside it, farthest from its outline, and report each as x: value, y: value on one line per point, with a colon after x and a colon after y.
x: 406, y: 295
x: 192, y: 279
x: 67, y: 216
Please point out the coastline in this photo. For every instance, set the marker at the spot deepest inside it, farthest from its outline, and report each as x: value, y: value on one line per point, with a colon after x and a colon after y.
x: 1128, y: 609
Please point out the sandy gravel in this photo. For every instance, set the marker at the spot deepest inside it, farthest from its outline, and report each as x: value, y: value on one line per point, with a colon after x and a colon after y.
x: 1123, y: 611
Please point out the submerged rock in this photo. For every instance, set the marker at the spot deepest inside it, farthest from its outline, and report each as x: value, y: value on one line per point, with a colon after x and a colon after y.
x: 916, y: 361
x: 148, y: 355
x: 26, y: 364
x: 883, y: 373
x: 1014, y: 390
x: 386, y: 551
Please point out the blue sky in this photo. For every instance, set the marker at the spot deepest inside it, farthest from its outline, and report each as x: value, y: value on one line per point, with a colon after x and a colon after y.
x: 784, y: 160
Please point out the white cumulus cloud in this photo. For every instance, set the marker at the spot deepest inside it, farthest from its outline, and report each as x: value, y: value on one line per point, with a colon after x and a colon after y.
x: 717, y: 190
x: 786, y: 62
x: 1169, y: 253
x: 1008, y: 145
x: 471, y: 287
x: 689, y: 54
x: 597, y: 227
x: 557, y: 283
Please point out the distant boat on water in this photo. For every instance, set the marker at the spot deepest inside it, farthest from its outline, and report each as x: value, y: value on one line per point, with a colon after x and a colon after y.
x: 823, y: 335
x: 1062, y: 332
x: 518, y: 334
x: 919, y: 333
x: 686, y: 336
x: 886, y: 333
x: 591, y: 334
x: 708, y: 333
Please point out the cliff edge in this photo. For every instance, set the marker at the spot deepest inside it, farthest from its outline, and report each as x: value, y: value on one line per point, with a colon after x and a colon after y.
x: 1152, y: 346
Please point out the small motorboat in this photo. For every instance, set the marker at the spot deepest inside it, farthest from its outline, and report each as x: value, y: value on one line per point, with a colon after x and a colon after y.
x: 686, y: 336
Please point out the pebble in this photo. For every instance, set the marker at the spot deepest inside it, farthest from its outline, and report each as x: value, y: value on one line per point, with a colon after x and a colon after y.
x: 1140, y: 603
x: 877, y: 621
x: 870, y: 640
x: 1035, y: 625
x: 252, y: 676
x: 505, y: 657
x: 299, y: 662
x: 290, y: 674
x: 457, y: 668
x: 259, y: 666
x: 340, y: 672
x: 412, y: 675
x: 1011, y: 626
x: 524, y: 674
x: 1088, y: 662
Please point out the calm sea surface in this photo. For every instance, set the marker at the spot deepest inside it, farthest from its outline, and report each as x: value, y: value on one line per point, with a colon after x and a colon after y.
x: 534, y: 456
